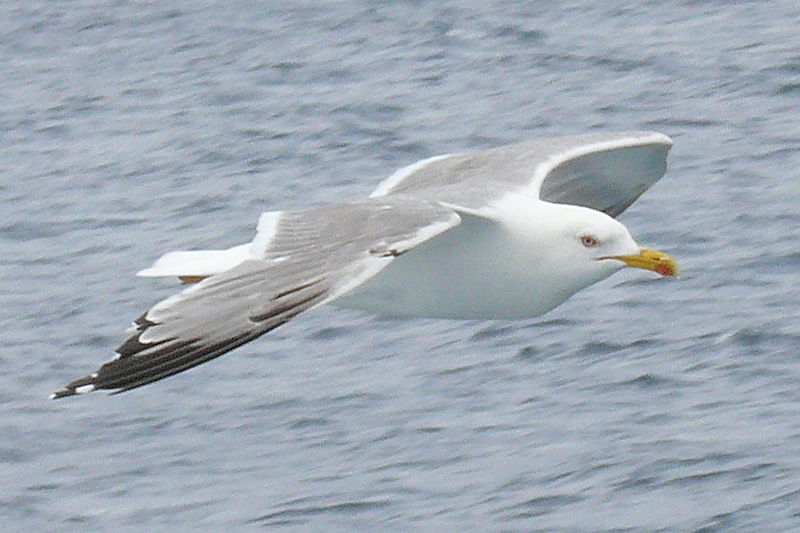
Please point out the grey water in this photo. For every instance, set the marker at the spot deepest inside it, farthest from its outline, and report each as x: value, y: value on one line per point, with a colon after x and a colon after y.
x: 129, y: 129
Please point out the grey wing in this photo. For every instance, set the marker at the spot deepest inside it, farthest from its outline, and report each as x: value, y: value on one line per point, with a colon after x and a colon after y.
x: 602, y: 171
x: 308, y: 258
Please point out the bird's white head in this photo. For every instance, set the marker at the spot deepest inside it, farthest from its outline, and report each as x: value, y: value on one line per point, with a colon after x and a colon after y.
x: 593, y: 245
x: 565, y: 248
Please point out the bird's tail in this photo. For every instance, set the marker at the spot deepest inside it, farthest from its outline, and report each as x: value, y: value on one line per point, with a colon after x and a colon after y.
x: 195, y: 265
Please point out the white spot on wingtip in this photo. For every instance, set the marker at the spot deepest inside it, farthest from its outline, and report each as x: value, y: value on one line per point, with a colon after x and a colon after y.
x: 53, y: 396
x: 84, y: 389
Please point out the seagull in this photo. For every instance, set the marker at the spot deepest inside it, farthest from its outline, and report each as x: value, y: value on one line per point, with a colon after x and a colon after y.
x: 504, y: 233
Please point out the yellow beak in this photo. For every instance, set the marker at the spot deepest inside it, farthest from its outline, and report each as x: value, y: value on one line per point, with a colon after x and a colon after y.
x: 650, y: 260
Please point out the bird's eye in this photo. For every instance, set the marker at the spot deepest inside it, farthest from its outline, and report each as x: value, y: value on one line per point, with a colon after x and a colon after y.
x: 589, y: 241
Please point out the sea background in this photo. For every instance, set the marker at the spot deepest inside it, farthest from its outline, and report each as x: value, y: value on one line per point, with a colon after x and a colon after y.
x: 129, y: 129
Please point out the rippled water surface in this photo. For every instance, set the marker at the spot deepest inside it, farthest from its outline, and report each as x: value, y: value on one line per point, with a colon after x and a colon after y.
x: 128, y: 129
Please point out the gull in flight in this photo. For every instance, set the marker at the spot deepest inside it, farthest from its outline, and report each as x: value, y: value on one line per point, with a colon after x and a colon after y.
x: 505, y: 233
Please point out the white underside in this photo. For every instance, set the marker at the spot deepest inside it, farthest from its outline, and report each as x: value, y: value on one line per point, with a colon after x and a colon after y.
x: 480, y: 269
x: 467, y: 272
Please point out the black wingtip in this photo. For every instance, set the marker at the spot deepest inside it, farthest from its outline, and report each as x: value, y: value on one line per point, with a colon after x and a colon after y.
x: 79, y: 386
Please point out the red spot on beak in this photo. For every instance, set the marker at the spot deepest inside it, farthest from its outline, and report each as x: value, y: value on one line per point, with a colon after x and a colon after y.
x: 665, y: 270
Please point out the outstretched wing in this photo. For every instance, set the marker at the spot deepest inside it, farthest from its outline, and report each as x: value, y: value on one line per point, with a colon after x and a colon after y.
x: 303, y: 259
x: 602, y: 171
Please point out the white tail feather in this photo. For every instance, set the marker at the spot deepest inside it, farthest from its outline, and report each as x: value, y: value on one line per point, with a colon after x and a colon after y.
x: 197, y: 262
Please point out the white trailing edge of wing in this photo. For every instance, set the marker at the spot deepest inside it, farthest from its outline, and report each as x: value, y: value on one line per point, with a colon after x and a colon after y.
x: 632, y: 139
x: 386, y: 186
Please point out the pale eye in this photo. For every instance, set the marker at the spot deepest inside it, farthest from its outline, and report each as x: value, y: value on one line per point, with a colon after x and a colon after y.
x: 589, y: 241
